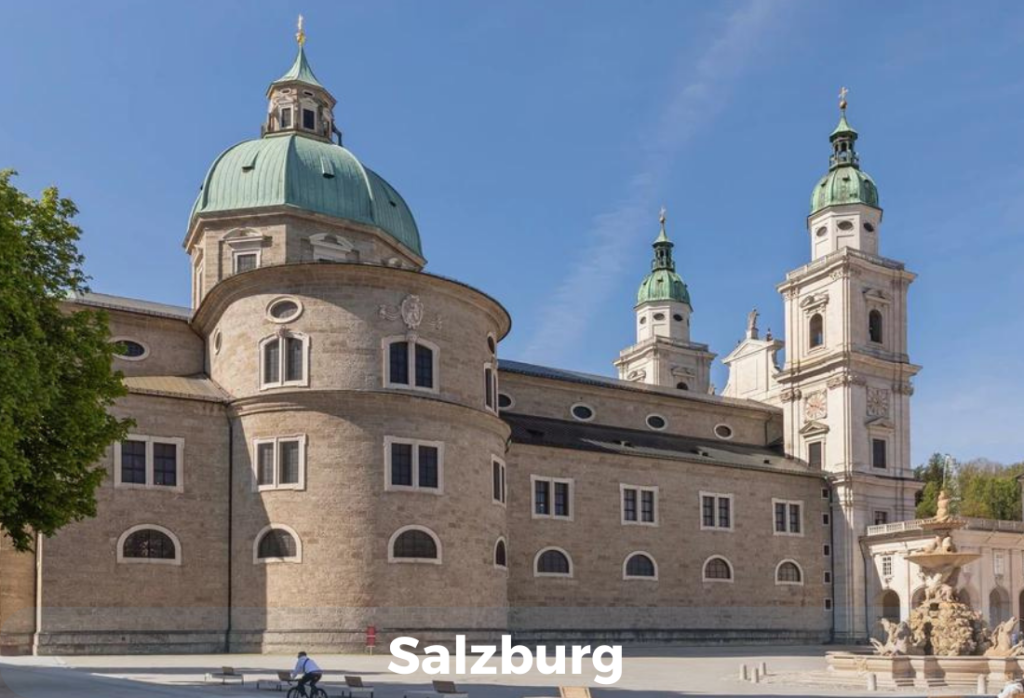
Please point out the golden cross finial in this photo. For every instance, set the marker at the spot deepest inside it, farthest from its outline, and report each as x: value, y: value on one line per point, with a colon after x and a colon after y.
x: 300, y: 36
x: 842, y: 98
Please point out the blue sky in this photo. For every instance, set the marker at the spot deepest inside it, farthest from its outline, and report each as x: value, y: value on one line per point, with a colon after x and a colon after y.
x: 535, y: 142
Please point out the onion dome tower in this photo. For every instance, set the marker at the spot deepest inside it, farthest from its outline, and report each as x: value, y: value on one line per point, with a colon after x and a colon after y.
x: 663, y: 354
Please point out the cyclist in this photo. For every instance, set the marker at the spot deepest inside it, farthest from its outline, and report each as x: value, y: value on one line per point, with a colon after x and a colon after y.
x: 307, y: 672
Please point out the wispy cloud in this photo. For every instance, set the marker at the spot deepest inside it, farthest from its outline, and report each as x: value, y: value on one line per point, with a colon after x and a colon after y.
x: 700, y: 89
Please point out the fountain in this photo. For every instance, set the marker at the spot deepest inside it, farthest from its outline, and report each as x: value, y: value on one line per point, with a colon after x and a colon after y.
x: 943, y: 641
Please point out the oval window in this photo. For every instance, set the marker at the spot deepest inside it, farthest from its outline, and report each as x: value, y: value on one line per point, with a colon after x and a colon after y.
x: 868, y: 227
x: 845, y: 225
x: 659, y: 316
x: 723, y: 431
x: 677, y: 317
x: 129, y: 349
x: 284, y: 310
x: 643, y: 320
x: 582, y: 412
x: 656, y: 422
x: 505, y: 401
x: 216, y: 342
x: 820, y: 232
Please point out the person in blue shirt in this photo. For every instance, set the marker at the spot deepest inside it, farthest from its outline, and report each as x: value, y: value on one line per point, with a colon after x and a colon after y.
x: 307, y: 672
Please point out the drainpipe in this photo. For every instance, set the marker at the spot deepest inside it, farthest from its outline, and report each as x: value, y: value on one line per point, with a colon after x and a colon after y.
x: 39, y: 595
x: 231, y: 488
x: 832, y: 557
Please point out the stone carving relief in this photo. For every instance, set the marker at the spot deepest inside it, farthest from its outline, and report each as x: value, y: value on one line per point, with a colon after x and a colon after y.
x: 638, y: 374
x: 878, y: 402
x: 814, y: 300
x: 845, y: 379
x: 816, y: 405
x: 790, y: 394
x: 410, y: 310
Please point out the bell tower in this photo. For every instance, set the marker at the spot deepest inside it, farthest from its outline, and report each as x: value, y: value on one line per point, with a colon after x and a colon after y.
x: 663, y: 354
x: 846, y: 385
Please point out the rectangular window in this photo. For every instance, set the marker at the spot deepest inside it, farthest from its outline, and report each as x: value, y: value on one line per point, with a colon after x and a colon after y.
x: 826, y: 519
x: 133, y: 462
x: 286, y: 118
x: 412, y: 464
x: 489, y: 388
x: 826, y: 493
x: 309, y: 119
x: 629, y: 505
x: 272, y: 362
x: 715, y: 511
x: 815, y: 454
x: 999, y: 563
x: 246, y: 261
x: 887, y: 565
x: 881, y: 518
x: 279, y: 463
x: 424, y: 367
x: 398, y: 359
x: 647, y: 506
x: 788, y: 517
x: 552, y: 497
x: 828, y: 604
x: 639, y: 505
x: 878, y: 453
x: 293, y: 361
x: 498, y: 478
x: 827, y: 578
x: 149, y: 461
x: 826, y: 550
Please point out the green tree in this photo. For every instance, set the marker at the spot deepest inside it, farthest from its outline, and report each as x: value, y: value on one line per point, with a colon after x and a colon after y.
x: 55, y: 380
x: 977, y: 488
x: 931, y: 473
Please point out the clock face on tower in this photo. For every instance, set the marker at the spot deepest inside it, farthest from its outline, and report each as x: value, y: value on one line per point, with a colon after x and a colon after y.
x: 816, y: 405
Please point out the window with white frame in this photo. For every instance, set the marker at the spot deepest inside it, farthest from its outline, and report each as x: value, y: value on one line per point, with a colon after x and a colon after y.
x: 277, y: 543
x: 284, y: 360
x: 244, y: 261
x: 552, y: 562
x: 999, y: 563
x: 416, y: 544
x: 816, y: 454
x: 149, y: 462
x: 149, y: 543
x: 490, y: 387
x: 881, y: 517
x: 789, y: 572
x: 498, y: 480
x: 640, y: 565
x: 717, y: 569
x: 788, y: 517
x: 552, y: 497
x: 413, y: 465
x: 716, y: 511
x: 279, y: 463
x: 639, y: 505
x: 887, y: 565
x: 198, y: 272
x: 879, y: 453
x: 410, y: 364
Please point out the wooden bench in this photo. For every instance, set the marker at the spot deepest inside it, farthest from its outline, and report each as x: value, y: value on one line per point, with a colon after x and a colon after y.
x: 441, y: 690
x: 355, y: 688
x: 574, y: 692
x: 227, y: 674
x: 283, y: 681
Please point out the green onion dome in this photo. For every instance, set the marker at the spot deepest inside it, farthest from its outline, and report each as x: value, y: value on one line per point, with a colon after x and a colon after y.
x: 845, y: 182
x: 663, y: 283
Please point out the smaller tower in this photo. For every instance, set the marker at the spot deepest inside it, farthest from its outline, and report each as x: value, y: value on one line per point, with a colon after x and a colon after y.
x: 663, y: 354
x: 298, y: 103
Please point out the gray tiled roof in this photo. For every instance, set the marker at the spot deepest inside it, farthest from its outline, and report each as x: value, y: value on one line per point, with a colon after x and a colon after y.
x: 585, y: 436
x: 198, y: 387
x: 132, y: 305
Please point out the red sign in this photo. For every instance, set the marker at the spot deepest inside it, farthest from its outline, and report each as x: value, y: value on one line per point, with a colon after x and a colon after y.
x: 371, y: 636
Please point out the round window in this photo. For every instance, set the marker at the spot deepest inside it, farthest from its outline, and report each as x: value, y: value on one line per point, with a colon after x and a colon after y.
x: 723, y: 431
x: 129, y: 349
x: 820, y: 232
x: 845, y: 225
x: 659, y: 316
x: 656, y: 422
x: 643, y: 320
x: 868, y: 227
x: 677, y: 317
x: 284, y: 310
x: 505, y: 401
x: 582, y: 412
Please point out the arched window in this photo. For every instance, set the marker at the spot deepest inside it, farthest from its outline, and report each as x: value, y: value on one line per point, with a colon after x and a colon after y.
x: 149, y: 543
x: 682, y: 386
x: 640, y: 565
x: 277, y: 543
x: 500, y: 554
x: 283, y: 360
x: 717, y: 569
x: 817, y: 330
x: 875, y: 326
x: 788, y: 572
x: 552, y: 562
x: 410, y: 364
x: 414, y: 544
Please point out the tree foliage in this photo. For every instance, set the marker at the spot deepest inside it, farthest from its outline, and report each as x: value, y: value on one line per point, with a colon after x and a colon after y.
x: 977, y: 488
x: 55, y: 380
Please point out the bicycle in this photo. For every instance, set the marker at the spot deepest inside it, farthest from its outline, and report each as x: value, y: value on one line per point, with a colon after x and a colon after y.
x: 314, y: 692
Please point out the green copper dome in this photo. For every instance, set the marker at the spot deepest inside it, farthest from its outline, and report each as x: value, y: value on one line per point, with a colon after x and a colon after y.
x: 845, y: 182
x: 308, y: 174
x: 663, y: 283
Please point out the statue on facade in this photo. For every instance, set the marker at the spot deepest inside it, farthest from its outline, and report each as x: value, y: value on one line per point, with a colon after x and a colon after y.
x: 752, y: 324
x: 942, y: 508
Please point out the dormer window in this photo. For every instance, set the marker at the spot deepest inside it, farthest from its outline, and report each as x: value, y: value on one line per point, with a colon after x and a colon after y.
x: 286, y: 117
x: 309, y: 119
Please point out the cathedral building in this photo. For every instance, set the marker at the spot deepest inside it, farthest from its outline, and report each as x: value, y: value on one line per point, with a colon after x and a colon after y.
x: 327, y: 440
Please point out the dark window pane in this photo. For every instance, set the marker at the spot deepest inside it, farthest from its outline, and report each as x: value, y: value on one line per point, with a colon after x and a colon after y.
x: 424, y: 367
x: 541, y: 501
x: 788, y: 572
x: 561, y: 499
x: 276, y: 543
x: 814, y: 453
x: 817, y: 331
x: 245, y: 262
x: 127, y: 347
x: 708, y: 511
x: 308, y: 119
x: 629, y: 505
x: 401, y: 464
x: 293, y: 360
x: 496, y: 476
x: 647, y: 507
x: 399, y: 363
x: 504, y: 401
x: 717, y: 568
x: 289, y: 455
x: 265, y: 464
x: 724, y: 513
x: 500, y: 555
x: 878, y: 454
x: 286, y: 118
x: 553, y: 562
x: 875, y: 326
x: 780, y: 518
x: 640, y: 566
x: 133, y: 462
x: 881, y: 517
x: 416, y: 544
x: 149, y: 543
x: 488, y: 388
x: 165, y: 464
x: 794, y: 518
x: 428, y: 467
x: 272, y: 361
